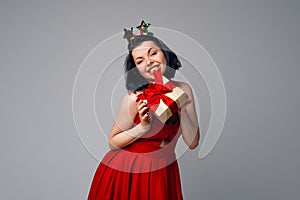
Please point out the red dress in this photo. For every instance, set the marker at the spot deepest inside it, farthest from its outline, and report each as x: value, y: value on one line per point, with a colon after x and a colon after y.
x: 143, y: 170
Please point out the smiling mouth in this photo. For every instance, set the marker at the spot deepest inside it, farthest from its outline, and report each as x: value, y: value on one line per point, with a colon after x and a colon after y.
x: 155, y: 67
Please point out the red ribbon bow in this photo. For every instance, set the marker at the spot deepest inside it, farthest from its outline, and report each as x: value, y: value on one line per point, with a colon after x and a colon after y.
x: 156, y: 92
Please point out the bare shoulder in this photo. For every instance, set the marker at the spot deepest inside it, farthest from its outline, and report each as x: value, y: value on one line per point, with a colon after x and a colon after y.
x: 184, y: 86
x: 129, y: 99
x: 129, y: 96
x: 127, y: 111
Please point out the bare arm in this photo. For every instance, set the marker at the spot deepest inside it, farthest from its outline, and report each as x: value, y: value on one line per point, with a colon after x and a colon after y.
x: 189, y: 121
x: 123, y: 132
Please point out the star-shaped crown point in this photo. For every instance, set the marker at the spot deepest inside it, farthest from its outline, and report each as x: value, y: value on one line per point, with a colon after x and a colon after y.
x: 143, y: 28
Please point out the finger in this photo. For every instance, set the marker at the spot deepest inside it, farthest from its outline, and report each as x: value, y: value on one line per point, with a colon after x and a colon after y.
x: 139, y: 102
x: 143, y: 111
x: 142, y: 105
x: 146, y: 118
x: 186, y: 97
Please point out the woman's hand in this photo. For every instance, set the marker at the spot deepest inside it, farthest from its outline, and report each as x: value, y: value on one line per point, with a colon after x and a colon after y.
x: 124, y: 131
x: 188, y: 101
x: 143, y: 111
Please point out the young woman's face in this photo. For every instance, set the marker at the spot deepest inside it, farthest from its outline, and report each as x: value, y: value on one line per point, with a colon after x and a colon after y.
x: 147, y: 58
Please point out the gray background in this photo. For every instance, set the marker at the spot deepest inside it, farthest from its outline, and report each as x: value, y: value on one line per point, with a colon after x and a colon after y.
x: 254, y: 43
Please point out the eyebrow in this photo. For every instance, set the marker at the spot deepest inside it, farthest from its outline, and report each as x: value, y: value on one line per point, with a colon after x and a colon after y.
x: 147, y: 52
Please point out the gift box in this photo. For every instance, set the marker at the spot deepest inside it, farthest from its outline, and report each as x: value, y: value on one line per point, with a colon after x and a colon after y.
x: 164, y: 97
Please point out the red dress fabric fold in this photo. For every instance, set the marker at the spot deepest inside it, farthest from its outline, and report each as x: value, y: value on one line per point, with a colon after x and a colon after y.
x: 142, y: 170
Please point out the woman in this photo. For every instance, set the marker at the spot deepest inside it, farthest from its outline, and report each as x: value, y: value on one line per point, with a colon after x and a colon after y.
x: 141, y: 164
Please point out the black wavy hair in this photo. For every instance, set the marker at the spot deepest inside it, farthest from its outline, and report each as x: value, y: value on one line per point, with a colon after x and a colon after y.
x: 134, y: 80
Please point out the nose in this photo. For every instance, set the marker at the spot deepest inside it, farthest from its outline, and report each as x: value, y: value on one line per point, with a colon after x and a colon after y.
x: 149, y: 61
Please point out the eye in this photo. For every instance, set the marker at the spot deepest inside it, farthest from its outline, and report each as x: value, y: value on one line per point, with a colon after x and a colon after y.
x: 153, y: 53
x: 139, y: 62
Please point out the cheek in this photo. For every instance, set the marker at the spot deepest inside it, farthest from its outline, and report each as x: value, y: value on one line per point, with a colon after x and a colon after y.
x: 165, y: 62
x: 139, y: 69
x: 163, y: 59
x: 163, y: 69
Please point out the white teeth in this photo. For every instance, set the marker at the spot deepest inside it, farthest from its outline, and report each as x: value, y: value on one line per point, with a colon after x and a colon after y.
x: 154, y: 68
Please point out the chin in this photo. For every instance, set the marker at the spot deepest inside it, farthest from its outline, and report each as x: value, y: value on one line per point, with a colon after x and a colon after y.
x: 163, y: 71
